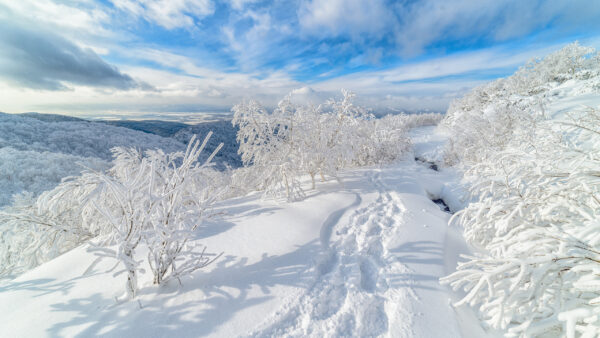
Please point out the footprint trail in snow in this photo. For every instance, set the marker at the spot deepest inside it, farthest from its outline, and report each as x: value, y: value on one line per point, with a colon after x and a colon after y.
x: 357, y: 290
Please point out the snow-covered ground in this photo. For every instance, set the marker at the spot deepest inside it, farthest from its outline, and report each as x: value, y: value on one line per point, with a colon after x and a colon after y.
x: 361, y: 258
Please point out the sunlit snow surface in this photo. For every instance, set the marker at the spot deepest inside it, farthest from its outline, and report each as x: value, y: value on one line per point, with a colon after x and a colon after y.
x: 362, y: 258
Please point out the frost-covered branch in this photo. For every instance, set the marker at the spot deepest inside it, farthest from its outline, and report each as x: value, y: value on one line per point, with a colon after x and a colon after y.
x: 536, y: 210
x: 279, y: 147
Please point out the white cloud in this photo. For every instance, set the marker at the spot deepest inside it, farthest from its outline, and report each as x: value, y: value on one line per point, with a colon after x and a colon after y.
x: 35, y: 58
x: 268, y: 45
x: 427, y: 22
x: 429, y: 84
x: 169, y: 14
x: 168, y: 59
x: 214, y: 89
x: 307, y: 95
x: 256, y: 44
x: 413, y: 26
x: 241, y: 4
x: 85, y: 19
x: 407, y: 87
x: 462, y: 63
x: 357, y: 18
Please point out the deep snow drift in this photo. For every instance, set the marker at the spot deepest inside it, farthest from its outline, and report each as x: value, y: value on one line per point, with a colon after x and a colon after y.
x: 358, y: 258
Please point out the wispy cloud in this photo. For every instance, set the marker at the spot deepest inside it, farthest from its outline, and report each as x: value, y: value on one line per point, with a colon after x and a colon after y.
x: 167, y: 13
x: 357, y: 19
x: 438, y: 23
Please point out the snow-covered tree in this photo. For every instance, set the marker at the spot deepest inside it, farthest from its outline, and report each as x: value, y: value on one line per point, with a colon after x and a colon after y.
x: 154, y: 199
x: 295, y: 140
x: 536, y: 190
x: 268, y: 143
x: 35, y: 230
x: 128, y: 219
x: 160, y: 200
x: 183, y: 193
x: 505, y: 111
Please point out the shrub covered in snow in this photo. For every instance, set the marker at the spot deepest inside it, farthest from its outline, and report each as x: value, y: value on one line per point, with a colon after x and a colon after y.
x: 293, y: 140
x: 536, y: 186
x: 507, y: 111
x: 419, y: 120
x: 159, y: 202
x: 35, y: 230
x: 155, y: 199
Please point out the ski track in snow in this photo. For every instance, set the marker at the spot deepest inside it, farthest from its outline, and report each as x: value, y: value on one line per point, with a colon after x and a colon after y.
x: 352, y: 295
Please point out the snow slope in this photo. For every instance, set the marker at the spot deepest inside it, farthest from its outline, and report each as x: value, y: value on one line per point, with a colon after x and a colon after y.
x: 37, y: 151
x: 358, y: 259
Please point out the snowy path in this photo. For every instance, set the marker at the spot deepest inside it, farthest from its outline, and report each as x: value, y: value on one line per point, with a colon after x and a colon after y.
x: 379, y: 272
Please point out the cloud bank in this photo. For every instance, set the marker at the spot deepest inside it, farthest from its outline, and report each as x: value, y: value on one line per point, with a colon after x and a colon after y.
x: 40, y: 60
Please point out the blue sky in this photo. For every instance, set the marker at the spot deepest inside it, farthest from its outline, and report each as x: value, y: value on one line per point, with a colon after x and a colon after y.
x: 102, y: 57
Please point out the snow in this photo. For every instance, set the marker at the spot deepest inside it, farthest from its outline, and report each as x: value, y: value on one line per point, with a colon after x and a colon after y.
x: 528, y: 146
x: 570, y: 97
x: 37, y: 151
x: 357, y: 258
x: 428, y: 143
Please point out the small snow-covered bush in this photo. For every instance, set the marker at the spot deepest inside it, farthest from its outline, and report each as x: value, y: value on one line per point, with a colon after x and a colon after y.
x: 160, y: 200
x: 155, y: 199
x: 35, y: 230
x: 536, y: 189
x: 267, y: 142
x: 546, y: 281
x: 421, y: 119
x: 538, y: 224
x: 387, y: 139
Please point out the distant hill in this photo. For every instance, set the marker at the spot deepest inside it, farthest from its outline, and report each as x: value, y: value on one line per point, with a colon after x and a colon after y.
x: 52, y: 117
x: 156, y: 127
x: 223, y: 132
